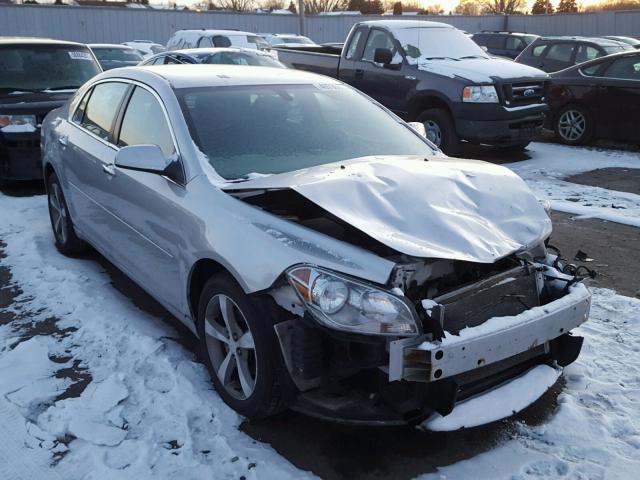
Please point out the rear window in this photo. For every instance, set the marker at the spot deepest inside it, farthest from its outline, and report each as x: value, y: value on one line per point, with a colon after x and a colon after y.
x: 45, y: 67
x: 117, y: 54
x: 240, y: 58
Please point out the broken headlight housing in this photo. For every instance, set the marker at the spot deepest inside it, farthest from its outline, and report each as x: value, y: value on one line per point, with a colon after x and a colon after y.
x: 345, y: 304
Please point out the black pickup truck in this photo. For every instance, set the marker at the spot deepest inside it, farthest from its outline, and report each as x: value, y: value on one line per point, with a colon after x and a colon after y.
x: 433, y: 73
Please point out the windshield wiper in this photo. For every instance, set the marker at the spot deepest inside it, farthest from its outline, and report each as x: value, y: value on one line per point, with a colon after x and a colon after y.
x: 18, y: 90
x: 473, y: 56
x: 62, y: 87
x: 441, y: 58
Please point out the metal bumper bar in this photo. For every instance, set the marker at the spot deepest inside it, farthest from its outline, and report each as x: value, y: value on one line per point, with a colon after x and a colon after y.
x: 418, y: 359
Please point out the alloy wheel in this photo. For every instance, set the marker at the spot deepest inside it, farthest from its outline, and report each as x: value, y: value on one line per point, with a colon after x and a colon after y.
x: 230, y: 346
x: 572, y: 125
x: 58, y: 212
x: 434, y: 134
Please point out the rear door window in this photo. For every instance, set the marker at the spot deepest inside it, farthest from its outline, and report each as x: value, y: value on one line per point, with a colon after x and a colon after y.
x: 495, y: 41
x: 102, y: 108
x: 586, y: 53
x: 538, y: 50
x: 221, y: 41
x: 144, y: 123
x: 561, y: 52
x: 515, y: 43
x: 205, y: 42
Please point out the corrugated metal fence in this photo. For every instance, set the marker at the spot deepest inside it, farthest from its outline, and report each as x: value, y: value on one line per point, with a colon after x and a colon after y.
x: 108, y: 24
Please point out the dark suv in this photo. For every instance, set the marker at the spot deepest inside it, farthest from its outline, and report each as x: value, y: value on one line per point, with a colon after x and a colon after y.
x: 552, y: 54
x: 503, y: 44
x: 36, y: 76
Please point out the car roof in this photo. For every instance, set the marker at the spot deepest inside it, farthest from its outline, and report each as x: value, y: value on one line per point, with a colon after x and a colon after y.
x: 204, y: 51
x: 216, y: 31
x: 400, y: 24
x: 603, y: 42
x: 36, y: 41
x: 194, y: 76
x: 110, y: 45
x: 497, y: 32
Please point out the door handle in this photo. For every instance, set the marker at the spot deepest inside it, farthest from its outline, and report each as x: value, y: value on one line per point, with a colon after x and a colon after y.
x: 109, y: 169
x: 359, y: 73
x: 62, y: 140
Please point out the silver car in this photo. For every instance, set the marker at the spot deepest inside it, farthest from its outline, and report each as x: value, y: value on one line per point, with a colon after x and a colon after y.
x: 328, y: 257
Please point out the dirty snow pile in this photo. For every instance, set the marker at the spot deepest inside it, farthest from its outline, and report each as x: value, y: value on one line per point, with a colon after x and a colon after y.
x: 550, y: 163
x: 149, y: 410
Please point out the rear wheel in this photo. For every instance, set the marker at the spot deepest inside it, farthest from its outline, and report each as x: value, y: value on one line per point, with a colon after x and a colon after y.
x: 573, y: 125
x: 239, y: 348
x: 440, y: 130
x: 66, y: 240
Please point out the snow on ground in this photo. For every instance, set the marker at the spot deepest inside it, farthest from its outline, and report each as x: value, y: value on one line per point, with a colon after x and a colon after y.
x: 150, y: 412
x: 550, y: 163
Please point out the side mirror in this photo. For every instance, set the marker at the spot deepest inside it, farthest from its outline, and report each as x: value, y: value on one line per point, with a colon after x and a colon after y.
x: 144, y: 158
x: 383, y: 56
x: 419, y: 127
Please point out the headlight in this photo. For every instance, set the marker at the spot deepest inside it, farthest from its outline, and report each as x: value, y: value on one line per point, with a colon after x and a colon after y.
x: 344, y: 304
x: 480, y: 94
x: 18, y: 123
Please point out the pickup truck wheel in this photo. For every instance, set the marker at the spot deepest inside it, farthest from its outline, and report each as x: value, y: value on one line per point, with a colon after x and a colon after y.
x: 573, y: 125
x: 66, y: 240
x: 238, y: 346
x: 440, y: 129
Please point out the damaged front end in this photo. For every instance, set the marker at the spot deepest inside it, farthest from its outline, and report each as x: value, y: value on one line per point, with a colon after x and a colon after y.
x: 421, y: 346
x: 471, y: 305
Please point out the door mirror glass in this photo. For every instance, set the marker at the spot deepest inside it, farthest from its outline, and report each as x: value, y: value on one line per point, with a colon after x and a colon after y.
x: 419, y: 127
x: 144, y: 158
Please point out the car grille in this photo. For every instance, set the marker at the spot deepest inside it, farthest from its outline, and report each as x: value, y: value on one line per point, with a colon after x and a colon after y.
x: 524, y: 93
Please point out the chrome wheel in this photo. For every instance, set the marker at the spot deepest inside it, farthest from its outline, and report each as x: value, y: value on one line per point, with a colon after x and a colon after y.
x: 572, y: 125
x: 434, y: 134
x: 230, y: 346
x: 58, y: 212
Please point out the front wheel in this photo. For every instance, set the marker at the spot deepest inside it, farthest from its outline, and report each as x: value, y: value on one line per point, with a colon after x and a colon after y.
x: 239, y: 348
x: 573, y: 125
x: 67, y: 242
x: 440, y: 130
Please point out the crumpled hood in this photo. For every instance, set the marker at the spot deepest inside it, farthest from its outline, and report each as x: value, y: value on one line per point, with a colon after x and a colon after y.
x: 482, y: 70
x: 437, y: 207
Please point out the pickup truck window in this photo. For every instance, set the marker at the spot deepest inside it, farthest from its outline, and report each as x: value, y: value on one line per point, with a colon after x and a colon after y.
x: 280, y: 128
x: 432, y: 43
x: 377, y: 39
x: 353, y: 46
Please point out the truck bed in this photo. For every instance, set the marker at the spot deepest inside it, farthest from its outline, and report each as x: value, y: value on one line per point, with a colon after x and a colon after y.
x: 323, y: 59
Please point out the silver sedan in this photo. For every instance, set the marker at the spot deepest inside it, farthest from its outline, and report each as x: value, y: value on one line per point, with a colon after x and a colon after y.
x: 326, y: 255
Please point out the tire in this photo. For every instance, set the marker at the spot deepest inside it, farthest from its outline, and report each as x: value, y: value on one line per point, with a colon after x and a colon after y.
x: 252, y: 348
x: 440, y: 130
x: 573, y: 125
x: 66, y: 240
